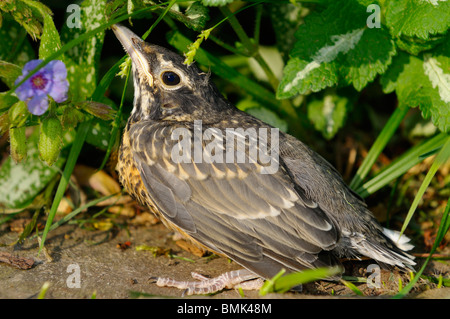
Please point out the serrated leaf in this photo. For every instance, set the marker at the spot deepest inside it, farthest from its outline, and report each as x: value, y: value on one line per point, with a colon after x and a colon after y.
x: 389, y: 79
x: 328, y: 115
x: 423, y: 81
x: 331, y: 50
x: 418, y: 18
x: 20, y: 183
x: 414, y: 45
x: 198, y: 16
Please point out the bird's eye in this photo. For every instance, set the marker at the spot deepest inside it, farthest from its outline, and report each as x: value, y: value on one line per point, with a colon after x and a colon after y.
x: 170, y: 78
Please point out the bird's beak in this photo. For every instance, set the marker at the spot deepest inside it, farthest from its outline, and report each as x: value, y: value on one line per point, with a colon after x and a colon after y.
x: 133, y: 46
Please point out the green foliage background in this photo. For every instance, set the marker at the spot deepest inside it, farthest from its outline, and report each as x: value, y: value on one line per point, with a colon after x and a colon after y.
x: 315, y: 69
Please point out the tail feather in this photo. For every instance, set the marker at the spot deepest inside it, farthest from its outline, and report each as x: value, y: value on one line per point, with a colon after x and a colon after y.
x: 389, y: 249
x: 401, y: 242
x: 387, y: 256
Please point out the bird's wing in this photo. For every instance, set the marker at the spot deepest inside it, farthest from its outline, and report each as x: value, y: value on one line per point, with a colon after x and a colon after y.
x: 259, y: 220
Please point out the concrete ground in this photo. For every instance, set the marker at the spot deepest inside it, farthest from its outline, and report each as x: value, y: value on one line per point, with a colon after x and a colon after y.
x: 106, y: 264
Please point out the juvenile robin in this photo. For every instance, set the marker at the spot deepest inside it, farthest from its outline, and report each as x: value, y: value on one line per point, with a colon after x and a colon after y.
x: 233, y: 184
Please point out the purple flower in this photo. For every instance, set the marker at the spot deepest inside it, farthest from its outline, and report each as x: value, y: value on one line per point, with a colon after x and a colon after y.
x: 49, y: 80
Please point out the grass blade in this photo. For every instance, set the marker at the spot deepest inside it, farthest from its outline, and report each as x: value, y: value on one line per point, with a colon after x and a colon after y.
x: 352, y: 287
x: 441, y: 158
x: 75, y: 150
x: 43, y: 290
x: 78, y: 40
x: 401, y: 165
x: 282, y: 283
x: 84, y: 127
x: 380, y: 143
x: 444, y: 226
x: 72, y: 214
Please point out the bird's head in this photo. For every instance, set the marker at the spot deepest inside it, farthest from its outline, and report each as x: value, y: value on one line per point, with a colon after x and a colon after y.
x: 164, y: 87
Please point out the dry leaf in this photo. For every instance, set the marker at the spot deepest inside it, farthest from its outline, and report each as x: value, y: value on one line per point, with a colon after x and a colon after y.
x: 145, y: 218
x: 102, y: 183
x: 190, y: 247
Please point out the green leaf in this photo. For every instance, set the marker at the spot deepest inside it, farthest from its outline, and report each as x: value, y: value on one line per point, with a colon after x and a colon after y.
x: 4, y: 123
x: 328, y: 114
x: 85, y: 57
x: 18, y: 143
x: 21, y: 183
x: 352, y: 287
x: 98, y: 109
x: 332, y: 49
x: 50, y: 140
x: 26, y: 14
x: 285, y: 20
x: 284, y: 283
x: 50, y: 41
x: 415, y: 45
x: 216, y: 3
x: 9, y: 73
x: 423, y: 81
x: 99, y: 134
x: 417, y: 18
x: 180, y: 42
x: 15, y: 46
x: 268, y: 117
x: 198, y: 16
x: 18, y: 114
x: 389, y: 80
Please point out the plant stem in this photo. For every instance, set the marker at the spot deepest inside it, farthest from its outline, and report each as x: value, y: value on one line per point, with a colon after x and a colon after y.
x: 258, y: 23
x: 225, y: 45
x: 268, y: 71
x: 251, y: 47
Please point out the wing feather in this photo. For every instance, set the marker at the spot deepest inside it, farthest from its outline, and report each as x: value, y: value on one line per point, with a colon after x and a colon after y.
x: 256, y: 219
